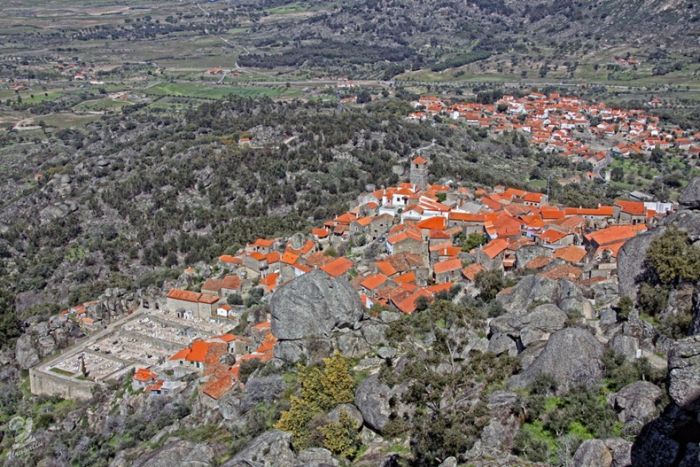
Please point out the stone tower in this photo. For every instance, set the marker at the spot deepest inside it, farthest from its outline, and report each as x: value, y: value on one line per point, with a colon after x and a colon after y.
x: 419, y: 172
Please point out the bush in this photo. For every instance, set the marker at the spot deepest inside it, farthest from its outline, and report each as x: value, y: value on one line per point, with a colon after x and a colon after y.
x: 652, y: 300
x: 321, y: 390
x: 673, y: 258
x: 489, y: 284
x: 341, y: 437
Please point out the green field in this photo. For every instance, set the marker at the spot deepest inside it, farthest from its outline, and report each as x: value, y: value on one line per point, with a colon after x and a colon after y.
x: 217, y: 92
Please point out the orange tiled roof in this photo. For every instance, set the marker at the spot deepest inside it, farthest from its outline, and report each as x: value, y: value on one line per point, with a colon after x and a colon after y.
x: 634, y: 208
x: 453, y: 264
x: 615, y: 233
x: 572, y: 254
x: 552, y: 236
x: 386, y: 268
x: 471, y: 271
x: 144, y: 375
x: 270, y: 281
x: 433, y: 223
x: 495, y: 247
x: 338, y: 266
x: 374, y: 281
x: 229, y: 259
x: 189, y: 296
x: 538, y: 262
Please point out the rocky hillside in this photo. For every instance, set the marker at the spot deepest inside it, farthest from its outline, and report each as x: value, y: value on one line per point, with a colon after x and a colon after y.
x: 536, y: 371
x: 408, y: 34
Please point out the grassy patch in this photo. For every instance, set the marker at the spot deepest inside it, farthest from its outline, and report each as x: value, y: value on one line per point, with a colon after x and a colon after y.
x: 60, y: 371
x: 217, y: 92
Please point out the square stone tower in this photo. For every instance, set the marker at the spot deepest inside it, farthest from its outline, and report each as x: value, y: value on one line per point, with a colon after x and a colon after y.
x: 418, y: 172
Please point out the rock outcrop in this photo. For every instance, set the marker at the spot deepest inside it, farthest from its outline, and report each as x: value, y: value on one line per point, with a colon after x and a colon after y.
x: 308, y: 311
x: 635, y: 404
x: 181, y: 453
x: 690, y: 196
x: 572, y: 357
x: 613, y: 452
x: 372, y: 398
x: 535, y: 289
x: 684, y: 373
x: 270, y: 449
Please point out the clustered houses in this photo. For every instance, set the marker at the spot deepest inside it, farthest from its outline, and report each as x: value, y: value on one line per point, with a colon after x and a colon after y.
x: 215, y: 361
x: 405, y: 245
x: 568, y: 126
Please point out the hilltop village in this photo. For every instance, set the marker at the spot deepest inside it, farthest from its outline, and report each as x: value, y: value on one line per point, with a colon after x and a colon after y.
x: 399, y: 247
x: 568, y: 126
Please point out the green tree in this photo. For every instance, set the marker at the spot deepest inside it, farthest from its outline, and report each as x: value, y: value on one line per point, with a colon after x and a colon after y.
x: 489, y: 284
x: 673, y: 258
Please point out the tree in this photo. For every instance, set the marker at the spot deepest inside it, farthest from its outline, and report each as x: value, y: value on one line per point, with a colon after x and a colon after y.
x: 472, y: 241
x: 489, y: 284
x: 617, y: 174
x: 673, y: 259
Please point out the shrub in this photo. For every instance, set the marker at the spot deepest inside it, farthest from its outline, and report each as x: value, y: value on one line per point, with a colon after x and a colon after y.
x: 673, y: 258
x: 341, y: 437
x: 321, y: 390
x: 489, y: 284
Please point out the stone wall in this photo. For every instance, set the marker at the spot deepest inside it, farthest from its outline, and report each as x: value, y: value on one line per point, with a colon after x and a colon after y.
x: 48, y: 384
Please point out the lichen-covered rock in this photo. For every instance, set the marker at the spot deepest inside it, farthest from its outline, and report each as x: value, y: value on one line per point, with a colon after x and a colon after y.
x: 532, y: 326
x: 270, y: 449
x: 312, y: 307
x: 690, y: 196
x: 316, y: 457
x: 572, y: 357
x: 626, y: 346
x: 630, y: 262
x: 372, y: 398
x: 593, y: 453
x: 684, y: 373
x: 611, y: 452
x: 25, y: 353
x: 349, y: 409
x: 181, y: 453
x: 636, y: 404
x: 502, y: 344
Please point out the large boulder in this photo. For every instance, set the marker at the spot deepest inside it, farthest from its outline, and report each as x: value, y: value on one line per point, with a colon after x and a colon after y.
x: 530, y: 289
x: 184, y: 453
x: 636, y: 404
x: 270, y: 449
x: 572, y: 357
x: 684, y: 373
x: 26, y: 353
x: 535, y: 325
x: 372, y: 398
x: 538, y: 290
x: 612, y: 452
x: 690, y: 196
x: 630, y: 262
x: 312, y: 308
